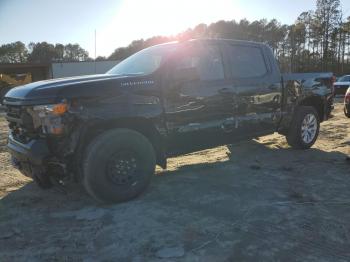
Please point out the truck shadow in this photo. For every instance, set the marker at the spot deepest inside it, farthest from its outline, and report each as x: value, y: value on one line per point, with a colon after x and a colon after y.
x: 257, y: 155
x: 255, y: 184
x: 244, y: 158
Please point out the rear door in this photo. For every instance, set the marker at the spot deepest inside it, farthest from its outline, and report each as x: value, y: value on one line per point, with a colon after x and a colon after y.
x: 258, y: 89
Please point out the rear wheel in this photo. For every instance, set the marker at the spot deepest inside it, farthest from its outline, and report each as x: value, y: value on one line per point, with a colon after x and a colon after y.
x: 118, y: 165
x: 304, y: 129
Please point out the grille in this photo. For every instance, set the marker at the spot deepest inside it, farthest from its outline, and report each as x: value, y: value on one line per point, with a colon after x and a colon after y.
x: 18, y: 117
x: 13, y: 111
x: 340, y: 89
x: 341, y: 86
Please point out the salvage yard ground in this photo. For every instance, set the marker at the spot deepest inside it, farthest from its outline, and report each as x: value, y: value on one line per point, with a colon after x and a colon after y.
x: 256, y: 199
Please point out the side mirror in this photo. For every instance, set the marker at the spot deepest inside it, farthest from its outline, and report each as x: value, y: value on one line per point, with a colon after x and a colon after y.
x: 186, y: 74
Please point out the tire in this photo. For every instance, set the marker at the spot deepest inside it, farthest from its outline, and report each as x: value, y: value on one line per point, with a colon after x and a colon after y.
x: 295, y: 136
x: 346, y: 112
x: 118, y: 166
x: 43, y: 181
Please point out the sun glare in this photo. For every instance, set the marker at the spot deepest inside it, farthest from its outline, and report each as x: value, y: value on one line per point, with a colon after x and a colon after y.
x: 142, y: 19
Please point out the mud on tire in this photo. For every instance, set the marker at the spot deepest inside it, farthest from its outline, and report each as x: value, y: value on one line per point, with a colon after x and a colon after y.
x: 118, y: 165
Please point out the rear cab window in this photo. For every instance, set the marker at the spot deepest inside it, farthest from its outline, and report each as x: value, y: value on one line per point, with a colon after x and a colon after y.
x: 247, y: 61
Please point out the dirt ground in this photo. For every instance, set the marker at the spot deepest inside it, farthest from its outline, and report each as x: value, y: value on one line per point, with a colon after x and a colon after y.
x: 255, y: 200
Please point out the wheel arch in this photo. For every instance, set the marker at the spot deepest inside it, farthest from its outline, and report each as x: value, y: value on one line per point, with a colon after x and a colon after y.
x: 142, y: 125
x: 317, y: 103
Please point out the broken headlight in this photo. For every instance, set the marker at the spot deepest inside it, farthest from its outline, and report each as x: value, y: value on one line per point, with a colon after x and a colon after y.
x: 50, y: 118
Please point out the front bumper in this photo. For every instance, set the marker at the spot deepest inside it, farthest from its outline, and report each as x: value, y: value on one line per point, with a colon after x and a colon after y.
x: 340, y: 90
x: 29, y: 157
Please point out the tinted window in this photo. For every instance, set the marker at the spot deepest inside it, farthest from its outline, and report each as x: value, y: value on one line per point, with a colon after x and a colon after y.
x: 143, y: 62
x: 344, y: 79
x: 207, y: 60
x: 247, y: 61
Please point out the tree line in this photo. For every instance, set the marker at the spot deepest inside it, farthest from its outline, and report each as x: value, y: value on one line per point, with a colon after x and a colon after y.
x: 319, y: 40
x: 42, y: 52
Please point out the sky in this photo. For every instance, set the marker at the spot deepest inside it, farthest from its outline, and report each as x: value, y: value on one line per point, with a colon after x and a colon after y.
x: 118, y: 22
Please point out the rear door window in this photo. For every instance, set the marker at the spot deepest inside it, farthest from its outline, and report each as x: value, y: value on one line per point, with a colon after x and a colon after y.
x: 247, y: 62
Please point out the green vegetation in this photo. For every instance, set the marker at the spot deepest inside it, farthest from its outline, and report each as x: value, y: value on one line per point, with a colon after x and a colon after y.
x: 42, y: 52
x: 319, y: 40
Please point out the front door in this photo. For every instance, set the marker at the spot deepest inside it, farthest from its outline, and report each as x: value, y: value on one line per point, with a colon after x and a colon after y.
x: 197, y: 110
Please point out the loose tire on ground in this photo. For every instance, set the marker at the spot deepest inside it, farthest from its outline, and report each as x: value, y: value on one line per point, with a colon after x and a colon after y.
x: 107, y: 177
x: 295, y: 134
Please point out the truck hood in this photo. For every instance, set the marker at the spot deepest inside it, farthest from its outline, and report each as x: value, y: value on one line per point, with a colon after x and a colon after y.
x: 53, y: 90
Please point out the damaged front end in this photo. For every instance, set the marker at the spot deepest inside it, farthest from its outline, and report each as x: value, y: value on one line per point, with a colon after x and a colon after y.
x: 40, y: 140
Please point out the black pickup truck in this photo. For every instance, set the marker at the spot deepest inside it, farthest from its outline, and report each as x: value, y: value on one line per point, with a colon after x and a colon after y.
x: 109, y: 131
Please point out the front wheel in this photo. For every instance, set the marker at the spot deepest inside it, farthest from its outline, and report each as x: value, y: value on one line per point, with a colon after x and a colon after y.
x: 118, y: 165
x: 304, y: 129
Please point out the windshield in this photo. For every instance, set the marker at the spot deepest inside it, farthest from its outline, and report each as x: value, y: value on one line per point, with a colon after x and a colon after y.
x: 144, y: 62
x: 344, y: 79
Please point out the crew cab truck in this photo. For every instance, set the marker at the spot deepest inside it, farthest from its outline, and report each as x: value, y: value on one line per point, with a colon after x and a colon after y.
x: 109, y: 131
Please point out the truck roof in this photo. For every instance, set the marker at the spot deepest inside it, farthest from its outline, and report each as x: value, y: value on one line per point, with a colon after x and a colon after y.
x: 217, y: 40
x: 245, y: 42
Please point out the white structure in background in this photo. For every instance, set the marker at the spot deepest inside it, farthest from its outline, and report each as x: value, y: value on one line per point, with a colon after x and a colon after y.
x: 81, y: 68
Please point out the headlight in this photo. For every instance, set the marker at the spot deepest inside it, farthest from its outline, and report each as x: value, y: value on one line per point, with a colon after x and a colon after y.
x: 49, y: 117
x: 56, y: 109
